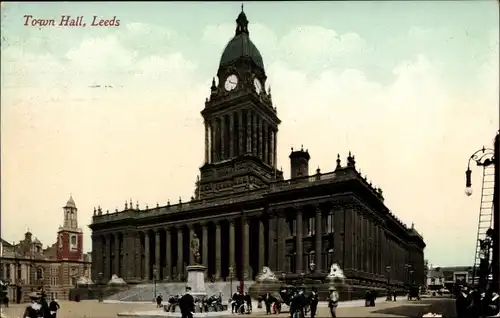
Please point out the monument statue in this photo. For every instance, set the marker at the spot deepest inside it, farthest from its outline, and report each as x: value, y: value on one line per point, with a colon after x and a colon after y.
x: 266, y: 275
x: 336, y: 272
x: 195, y: 248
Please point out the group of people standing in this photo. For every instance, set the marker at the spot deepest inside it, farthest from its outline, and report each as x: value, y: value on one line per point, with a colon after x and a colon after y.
x: 472, y: 303
x: 40, y: 308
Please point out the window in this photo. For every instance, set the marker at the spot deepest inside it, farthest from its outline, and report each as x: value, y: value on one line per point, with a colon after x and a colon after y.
x: 38, y: 249
x: 60, y: 241
x: 7, y: 270
x: 74, y: 242
x: 39, y: 273
x: 329, y: 224
x: 19, y: 272
x: 311, y: 229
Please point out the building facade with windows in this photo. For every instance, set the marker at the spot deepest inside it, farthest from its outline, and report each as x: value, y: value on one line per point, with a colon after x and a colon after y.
x: 244, y: 212
x: 27, y: 266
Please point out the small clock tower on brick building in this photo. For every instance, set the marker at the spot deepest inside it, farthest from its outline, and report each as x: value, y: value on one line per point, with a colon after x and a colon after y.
x: 70, y: 236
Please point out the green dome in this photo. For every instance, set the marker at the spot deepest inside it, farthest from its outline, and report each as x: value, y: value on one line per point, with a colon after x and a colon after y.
x: 240, y: 46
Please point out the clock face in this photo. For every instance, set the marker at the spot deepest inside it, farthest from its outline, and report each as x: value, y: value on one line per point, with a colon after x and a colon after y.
x: 231, y: 82
x: 258, y: 86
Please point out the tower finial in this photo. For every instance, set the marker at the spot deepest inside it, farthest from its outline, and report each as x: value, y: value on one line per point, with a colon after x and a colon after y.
x: 242, y: 7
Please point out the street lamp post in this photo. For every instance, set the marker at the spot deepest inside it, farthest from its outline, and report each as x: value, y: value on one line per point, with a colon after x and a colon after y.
x: 486, y: 157
x: 155, y: 272
x: 388, y: 270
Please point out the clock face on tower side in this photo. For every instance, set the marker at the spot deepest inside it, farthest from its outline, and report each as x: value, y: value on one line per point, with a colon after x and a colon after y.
x: 231, y: 82
x: 258, y: 85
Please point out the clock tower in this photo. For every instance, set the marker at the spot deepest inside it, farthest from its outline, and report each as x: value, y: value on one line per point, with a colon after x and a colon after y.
x: 241, y: 123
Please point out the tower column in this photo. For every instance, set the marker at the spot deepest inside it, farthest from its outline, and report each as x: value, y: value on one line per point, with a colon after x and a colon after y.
x: 318, y: 238
x: 212, y: 141
x: 246, y: 250
x: 129, y: 255
x: 180, y: 255
x: 260, y: 150
x: 298, y: 241
x: 338, y: 235
x: 146, y: 256
x: 223, y: 138
x: 207, y: 160
x: 240, y: 133
x: 204, y: 241
x: 266, y: 143
x: 262, y: 244
x: 231, y: 261
x: 231, y: 135
x: 217, y: 250
x: 275, y: 143
x: 168, y: 254
x: 272, y: 241
x: 157, y: 252
x: 191, y: 236
x: 249, y: 132
x: 254, y: 135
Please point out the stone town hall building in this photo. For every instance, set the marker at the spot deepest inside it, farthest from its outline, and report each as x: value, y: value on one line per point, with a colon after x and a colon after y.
x: 245, y: 215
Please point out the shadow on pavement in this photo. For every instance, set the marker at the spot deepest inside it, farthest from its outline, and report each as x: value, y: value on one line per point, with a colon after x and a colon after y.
x: 445, y: 307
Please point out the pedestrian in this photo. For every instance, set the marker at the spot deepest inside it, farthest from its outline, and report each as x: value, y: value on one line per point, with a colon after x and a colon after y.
x: 186, y: 304
x: 53, y: 307
x: 333, y: 301
x: 33, y: 310
x: 159, y: 300
x: 313, y: 302
x: 267, y: 302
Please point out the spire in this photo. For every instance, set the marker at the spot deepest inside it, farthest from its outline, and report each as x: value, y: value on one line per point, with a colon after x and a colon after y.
x: 241, y: 23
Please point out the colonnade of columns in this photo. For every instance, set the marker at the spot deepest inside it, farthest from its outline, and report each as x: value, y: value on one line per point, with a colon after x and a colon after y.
x: 238, y: 133
x: 246, y: 244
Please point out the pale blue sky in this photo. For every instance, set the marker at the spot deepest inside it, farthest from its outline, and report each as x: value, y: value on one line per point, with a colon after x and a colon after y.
x: 411, y: 87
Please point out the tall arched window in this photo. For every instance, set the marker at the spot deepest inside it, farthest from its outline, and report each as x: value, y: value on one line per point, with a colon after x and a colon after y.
x: 39, y: 273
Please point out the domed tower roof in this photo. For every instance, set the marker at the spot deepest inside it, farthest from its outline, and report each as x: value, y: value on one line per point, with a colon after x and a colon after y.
x: 240, y: 45
x: 70, y: 203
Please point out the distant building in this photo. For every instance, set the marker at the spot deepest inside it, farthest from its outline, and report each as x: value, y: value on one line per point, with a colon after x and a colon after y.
x: 27, y: 266
x: 435, y: 278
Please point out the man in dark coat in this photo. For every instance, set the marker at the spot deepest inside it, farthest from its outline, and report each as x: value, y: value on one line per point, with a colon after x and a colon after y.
x: 54, y: 307
x: 313, y: 301
x: 186, y: 304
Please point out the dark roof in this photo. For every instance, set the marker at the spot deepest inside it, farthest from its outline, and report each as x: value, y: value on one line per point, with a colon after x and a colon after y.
x: 241, y: 46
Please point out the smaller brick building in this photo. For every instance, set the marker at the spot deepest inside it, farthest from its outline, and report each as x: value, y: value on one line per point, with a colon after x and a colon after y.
x: 28, y: 266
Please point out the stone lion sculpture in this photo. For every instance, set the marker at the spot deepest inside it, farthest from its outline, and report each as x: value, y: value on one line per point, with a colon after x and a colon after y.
x: 84, y: 281
x: 115, y: 280
x: 336, y: 272
x: 266, y: 274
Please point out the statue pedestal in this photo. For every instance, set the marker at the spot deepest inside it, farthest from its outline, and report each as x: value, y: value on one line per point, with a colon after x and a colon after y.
x: 196, y: 280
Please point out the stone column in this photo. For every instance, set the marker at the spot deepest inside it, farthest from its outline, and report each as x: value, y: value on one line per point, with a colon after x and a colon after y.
x: 262, y: 244
x: 254, y: 135
x: 249, y: 132
x: 247, y: 271
x: 204, y: 242
x: 213, y: 144
x: 259, y: 127
x: 299, y: 242
x: 207, y: 160
x: 281, y: 237
x: 364, y: 256
x: 180, y: 254
x: 231, y: 261
x: 95, y: 251
x: 168, y: 254
x: 271, y: 252
x: 318, y: 239
x: 231, y: 135
x: 217, y: 250
x: 157, y: 252
x: 241, y: 128
x: 107, y: 265
x: 223, y: 150
x: 339, y: 235
x: 138, y: 256
x: 275, y: 149
x: 349, y: 238
x: 146, y: 256
x: 130, y: 255
x: 271, y: 149
x: 266, y: 143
